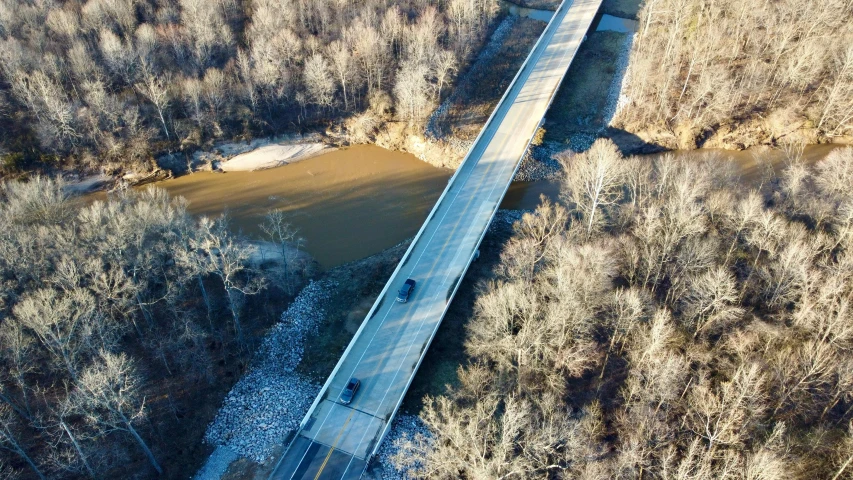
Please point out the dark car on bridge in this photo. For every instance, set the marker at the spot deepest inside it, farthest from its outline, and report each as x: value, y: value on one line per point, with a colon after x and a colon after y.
x: 408, y: 288
x: 349, y: 391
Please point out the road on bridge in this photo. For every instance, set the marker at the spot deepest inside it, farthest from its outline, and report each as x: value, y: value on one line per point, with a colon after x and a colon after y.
x: 336, y: 440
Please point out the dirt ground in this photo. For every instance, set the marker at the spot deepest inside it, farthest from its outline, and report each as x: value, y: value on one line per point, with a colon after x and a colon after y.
x: 483, y: 85
x: 579, y: 104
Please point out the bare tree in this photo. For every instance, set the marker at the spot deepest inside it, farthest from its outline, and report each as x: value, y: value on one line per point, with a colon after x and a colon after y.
x: 41, y: 201
x: 119, y: 56
x: 207, y: 27
x: 318, y: 80
x: 193, y: 93
x: 371, y: 52
x: 786, y: 71
x: 156, y: 90
x: 711, y: 299
x: 215, y: 86
x: 593, y: 181
x: 711, y: 376
x: 245, y: 67
x: 47, y: 100
x: 226, y: 259
x: 721, y: 417
x: 444, y: 67
x: 845, y: 455
x: 837, y: 108
x: 58, y: 423
x: 284, y: 235
x: 108, y: 394
x: 9, y: 438
x: 342, y: 65
x: 411, y: 91
x: 18, y: 351
x: 58, y: 321
x: 420, y: 38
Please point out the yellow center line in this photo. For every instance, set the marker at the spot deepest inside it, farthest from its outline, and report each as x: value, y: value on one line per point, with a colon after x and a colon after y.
x: 332, y: 448
x: 435, y: 264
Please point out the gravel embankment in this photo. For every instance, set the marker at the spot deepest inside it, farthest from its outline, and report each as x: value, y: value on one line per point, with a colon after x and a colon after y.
x: 269, y: 401
x: 404, y: 430
x: 615, y: 101
x: 538, y: 163
x: 505, y: 218
x: 616, y: 98
x: 217, y: 464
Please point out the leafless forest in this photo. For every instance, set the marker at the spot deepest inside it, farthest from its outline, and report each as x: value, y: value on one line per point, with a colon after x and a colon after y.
x: 111, y: 311
x: 105, y: 81
x: 701, y: 66
x: 667, y: 323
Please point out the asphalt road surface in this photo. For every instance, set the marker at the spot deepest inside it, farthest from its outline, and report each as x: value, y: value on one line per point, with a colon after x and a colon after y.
x: 336, y: 440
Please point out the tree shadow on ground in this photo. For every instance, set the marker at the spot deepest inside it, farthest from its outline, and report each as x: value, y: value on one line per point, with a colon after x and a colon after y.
x: 631, y: 144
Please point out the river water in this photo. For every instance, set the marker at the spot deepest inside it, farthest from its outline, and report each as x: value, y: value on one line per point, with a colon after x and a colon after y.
x: 347, y: 204
x: 360, y: 200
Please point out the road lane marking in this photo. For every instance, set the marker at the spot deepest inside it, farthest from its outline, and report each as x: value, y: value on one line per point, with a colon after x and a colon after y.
x: 390, y: 307
x: 538, y: 79
x: 426, y: 316
x: 335, y: 444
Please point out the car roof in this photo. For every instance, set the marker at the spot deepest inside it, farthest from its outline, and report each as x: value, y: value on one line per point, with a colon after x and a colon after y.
x: 409, y: 281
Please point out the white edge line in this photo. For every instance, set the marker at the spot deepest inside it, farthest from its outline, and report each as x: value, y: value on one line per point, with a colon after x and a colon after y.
x: 423, y: 227
x: 473, y: 253
x: 405, y: 256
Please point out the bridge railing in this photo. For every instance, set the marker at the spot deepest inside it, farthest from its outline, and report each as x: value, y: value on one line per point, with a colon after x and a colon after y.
x: 473, y: 254
x: 465, y: 165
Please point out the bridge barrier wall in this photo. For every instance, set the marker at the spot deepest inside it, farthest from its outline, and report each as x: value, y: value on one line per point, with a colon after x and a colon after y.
x: 465, y: 165
x: 494, y: 209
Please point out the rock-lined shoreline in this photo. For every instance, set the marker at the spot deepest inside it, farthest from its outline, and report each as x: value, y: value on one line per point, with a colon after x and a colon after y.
x: 269, y: 402
x: 405, y: 430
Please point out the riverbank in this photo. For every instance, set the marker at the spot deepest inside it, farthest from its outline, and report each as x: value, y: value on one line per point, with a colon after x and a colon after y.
x: 316, y: 328
x: 442, y: 141
x: 448, y: 133
x: 344, y: 205
x: 296, y: 356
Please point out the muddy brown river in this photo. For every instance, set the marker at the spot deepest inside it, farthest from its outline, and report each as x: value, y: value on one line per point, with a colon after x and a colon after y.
x: 358, y: 201
x: 347, y: 204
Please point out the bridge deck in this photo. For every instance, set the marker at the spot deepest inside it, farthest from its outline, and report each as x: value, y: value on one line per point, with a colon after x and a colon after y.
x: 336, y: 440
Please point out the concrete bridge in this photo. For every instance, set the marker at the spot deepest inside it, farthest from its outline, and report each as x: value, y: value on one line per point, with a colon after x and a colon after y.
x: 336, y: 441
